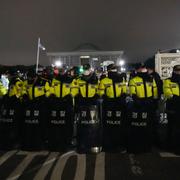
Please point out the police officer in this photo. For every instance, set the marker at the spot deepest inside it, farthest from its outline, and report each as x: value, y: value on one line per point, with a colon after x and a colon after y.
x: 36, y: 86
x: 152, y: 73
x: 113, y: 90
x: 28, y: 84
x: 63, y: 85
x: 171, y: 89
x: 88, y: 83
x: 3, y: 90
x: 87, y: 107
x: 143, y: 90
x: 114, y: 85
x: 171, y: 85
x: 142, y: 86
x: 15, y: 87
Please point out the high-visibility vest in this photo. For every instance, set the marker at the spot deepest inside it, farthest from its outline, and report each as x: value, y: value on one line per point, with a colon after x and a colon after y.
x: 112, y: 89
x: 143, y: 89
x: 42, y: 88
x: 61, y: 88
x: 170, y: 88
x: 3, y: 90
x: 87, y: 89
x: 15, y: 89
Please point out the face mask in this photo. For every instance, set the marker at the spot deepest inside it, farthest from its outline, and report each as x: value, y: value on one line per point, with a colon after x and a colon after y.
x: 177, y: 72
x: 86, y: 72
x: 144, y: 70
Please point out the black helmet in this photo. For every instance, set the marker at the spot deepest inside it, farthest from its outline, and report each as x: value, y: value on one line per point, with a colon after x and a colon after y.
x: 86, y: 66
x: 31, y: 73
x: 139, y: 65
x: 111, y: 67
x: 176, y: 68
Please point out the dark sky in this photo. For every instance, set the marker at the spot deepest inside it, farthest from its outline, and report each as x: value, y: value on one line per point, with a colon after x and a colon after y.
x: 139, y: 27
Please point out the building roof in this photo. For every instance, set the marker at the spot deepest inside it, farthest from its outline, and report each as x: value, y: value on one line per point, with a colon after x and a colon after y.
x: 87, y: 47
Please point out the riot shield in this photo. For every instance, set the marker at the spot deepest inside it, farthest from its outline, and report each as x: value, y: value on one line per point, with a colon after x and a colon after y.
x: 89, y: 127
x: 139, y: 138
x: 32, y: 127
x: 59, y: 123
x: 173, y: 114
x: 10, y: 120
x: 114, y: 117
x: 161, y: 125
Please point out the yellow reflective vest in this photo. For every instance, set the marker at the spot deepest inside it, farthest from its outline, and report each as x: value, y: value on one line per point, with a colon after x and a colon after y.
x: 87, y: 89
x: 112, y: 89
x: 3, y: 90
x: 15, y: 88
x: 63, y: 88
x: 40, y: 88
x: 170, y: 88
x: 143, y: 89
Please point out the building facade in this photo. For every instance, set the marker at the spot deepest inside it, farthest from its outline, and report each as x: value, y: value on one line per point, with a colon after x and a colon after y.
x: 83, y: 54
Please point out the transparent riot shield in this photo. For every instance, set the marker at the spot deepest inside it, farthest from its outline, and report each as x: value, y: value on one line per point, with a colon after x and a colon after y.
x: 89, y: 127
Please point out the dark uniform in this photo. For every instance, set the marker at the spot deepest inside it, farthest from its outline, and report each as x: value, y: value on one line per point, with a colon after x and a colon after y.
x: 143, y: 90
x: 89, y: 132
x: 171, y: 89
x: 113, y: 89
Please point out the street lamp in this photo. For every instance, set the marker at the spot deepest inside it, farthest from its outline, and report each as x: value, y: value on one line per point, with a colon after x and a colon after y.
x: 39, y: 46
x: 121, y: 62
x: 58, y: 63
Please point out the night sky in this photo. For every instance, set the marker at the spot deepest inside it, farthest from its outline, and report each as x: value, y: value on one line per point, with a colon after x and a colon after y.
x: 139, y: 27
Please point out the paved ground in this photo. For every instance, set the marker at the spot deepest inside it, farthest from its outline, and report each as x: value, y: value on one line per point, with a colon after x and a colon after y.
x: 104, y: 166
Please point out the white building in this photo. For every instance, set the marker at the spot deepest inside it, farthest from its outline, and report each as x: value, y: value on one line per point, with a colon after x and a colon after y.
x: 83, y: 54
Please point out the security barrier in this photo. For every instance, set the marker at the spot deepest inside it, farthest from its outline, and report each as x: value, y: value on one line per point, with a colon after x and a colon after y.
x: 161, y: 126
x: 32, y: 127
x: 59, y: 123
x: 47, y: 123
x: 173, y: 115
x: 89, y: 126
x: 10, y: 121
x: 139, y: 127
x: 114, y: 119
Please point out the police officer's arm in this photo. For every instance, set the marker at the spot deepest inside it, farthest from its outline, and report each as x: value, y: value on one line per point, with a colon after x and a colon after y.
x: 47, y: 89
x: 132, y: 87
x: 24, y: 88
x: 74, y: 87
x: 155, y: 90
x: 167, y: 89
x: 52, y: 88
x: 18, y: 88
x: 97, y: 88
x: 124, y: 87
x: 101, y: 88
x: 3, y: 90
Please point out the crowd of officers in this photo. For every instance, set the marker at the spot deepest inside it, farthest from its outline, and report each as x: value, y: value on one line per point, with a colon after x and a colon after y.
x: 88, y: 85
x: 143, y: 86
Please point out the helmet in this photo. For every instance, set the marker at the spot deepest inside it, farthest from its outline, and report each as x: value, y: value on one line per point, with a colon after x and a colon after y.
x: 31, y: 73
x: 176, y: 68
x: 111, y: 67
x: 139, y: 65
x: 86, y: 66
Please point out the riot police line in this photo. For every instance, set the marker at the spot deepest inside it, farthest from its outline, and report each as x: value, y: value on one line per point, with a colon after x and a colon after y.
x: 96, y: 124
x: 90, y: 114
